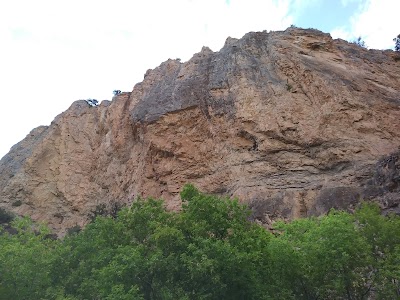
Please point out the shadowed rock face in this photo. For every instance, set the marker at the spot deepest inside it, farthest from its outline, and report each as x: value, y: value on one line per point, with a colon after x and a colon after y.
x: 291, y: 122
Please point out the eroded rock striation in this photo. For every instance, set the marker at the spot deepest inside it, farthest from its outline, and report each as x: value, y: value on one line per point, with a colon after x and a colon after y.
x: 291, y: 122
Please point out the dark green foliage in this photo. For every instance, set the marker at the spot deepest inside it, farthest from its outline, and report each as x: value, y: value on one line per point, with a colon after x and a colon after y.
x: 163, y: 255
x: 17, y: 203
x: 332, y: 256
x: 74, y: 230
x: 25, y: 261
x: 209, y: 250
x: 396, y: 41
x: 5, y: 216
x: 101, y: 210
x: 341, y: 256
x: 360, y: 42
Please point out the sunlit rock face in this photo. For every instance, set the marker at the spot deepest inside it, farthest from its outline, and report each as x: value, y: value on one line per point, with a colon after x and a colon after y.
x: 291, y: 122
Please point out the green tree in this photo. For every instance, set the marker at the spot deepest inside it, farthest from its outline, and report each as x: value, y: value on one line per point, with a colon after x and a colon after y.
x: 383, y: 236
x: 333, y: 257
x: 25, y: 261
x: 396, y: 41
x: 221, y: 237
x: 360, y: 42
x: 208, y: 250
x: 110, y: 255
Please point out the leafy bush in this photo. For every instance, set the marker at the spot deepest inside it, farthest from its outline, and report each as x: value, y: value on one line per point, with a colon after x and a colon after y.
x: 25, y: 260
x: 74, y: 230
x: 396, y: 41
x: 5, y: 216
x: 92, y: 102
x: 101, y: 210
x: 17, y: 203
x: 208, y: 250
x: 360, y: 42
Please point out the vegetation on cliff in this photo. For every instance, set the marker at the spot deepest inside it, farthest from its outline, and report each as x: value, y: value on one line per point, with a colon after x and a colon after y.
x: 208, y: 250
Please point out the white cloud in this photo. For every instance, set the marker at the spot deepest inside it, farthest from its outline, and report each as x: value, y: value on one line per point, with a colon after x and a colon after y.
x: 376, y: 22
x: 342, y: 33
x: 54, y: 52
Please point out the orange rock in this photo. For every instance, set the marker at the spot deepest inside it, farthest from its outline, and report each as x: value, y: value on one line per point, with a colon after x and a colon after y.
x: 291, y: 122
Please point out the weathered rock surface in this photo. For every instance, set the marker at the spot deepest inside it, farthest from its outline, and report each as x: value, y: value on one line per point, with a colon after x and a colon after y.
x: 291, y: 122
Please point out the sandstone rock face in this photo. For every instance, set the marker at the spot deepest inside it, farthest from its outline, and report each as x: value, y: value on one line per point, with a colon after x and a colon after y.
x: 291, y: 122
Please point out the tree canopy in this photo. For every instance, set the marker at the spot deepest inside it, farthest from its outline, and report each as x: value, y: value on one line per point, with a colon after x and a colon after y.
x: 396, y: 41
x: 208, y: 250
x: 360, y: 42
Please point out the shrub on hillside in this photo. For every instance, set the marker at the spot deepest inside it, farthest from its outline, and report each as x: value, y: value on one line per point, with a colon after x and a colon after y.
x: 396, y: 41
x: 5, y: 216
x: 360, y: 42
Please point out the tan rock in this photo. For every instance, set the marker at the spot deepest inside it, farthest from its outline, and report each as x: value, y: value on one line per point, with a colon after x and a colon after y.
x: 292, y: 122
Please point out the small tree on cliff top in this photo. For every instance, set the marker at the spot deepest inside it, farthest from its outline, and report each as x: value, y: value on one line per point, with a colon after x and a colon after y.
x: 360, y: 42
x: 396, y: 41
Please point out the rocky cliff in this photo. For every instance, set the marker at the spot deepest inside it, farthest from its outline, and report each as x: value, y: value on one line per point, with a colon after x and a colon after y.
x: 291, y: 122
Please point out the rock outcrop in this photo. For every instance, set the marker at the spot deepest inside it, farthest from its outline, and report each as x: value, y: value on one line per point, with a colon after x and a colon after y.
x: 291, y: 122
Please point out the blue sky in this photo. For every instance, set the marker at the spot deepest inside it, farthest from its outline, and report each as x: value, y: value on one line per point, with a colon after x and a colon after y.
x: 325, y: 15
x: 54, y: 52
